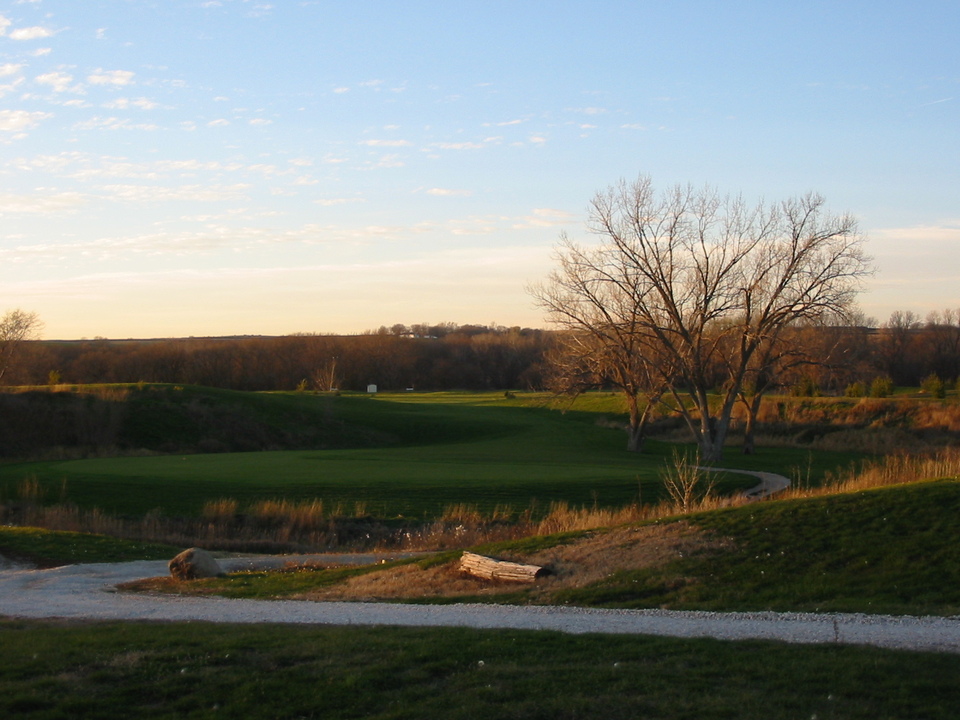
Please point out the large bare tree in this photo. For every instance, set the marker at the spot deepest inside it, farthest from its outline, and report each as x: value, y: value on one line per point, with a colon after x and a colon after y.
x: 702, y: 282
x: 15, y: 327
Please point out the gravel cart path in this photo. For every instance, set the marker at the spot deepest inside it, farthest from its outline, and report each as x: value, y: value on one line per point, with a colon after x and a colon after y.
x: 88, y: 592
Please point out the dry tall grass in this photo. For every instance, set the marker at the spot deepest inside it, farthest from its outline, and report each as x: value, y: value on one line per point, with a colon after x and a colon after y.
x: 888, y: 470
x: 312, y: 526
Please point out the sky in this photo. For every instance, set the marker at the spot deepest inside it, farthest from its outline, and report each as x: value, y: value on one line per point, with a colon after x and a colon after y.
x: 174, y: 168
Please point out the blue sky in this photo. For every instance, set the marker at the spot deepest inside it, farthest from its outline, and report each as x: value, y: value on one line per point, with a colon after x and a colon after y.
x: 191, y: 167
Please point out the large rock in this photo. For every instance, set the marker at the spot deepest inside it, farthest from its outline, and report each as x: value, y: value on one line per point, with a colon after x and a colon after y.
x: 193, y: 564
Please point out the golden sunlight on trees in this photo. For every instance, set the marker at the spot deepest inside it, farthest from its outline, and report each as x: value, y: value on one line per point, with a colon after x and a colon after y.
x: 15, y: 327
x: 702, y: 287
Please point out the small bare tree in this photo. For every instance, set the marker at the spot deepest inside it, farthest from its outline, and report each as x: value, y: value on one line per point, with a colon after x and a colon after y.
x: 685, y: 483
x: 326, y: 378
x: 702, y: 282
x: 16, y: 326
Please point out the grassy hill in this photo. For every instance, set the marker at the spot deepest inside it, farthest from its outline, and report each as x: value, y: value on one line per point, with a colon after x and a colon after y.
x: 892, y: 550
x: 391, y: 455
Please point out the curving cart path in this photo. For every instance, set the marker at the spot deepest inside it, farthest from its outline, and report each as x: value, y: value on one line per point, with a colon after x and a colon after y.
x: 89, y: 592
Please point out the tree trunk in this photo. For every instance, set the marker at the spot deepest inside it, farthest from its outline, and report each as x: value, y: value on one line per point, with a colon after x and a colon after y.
x: 749, y: 445
x: 637, y: 430
x: 636, y: 434
x: 713, y: 439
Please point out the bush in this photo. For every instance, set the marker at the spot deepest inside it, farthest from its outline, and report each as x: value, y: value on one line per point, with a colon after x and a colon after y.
x: 881, y: 387
x: 807, y: 387
x: 857, y: 389
x: 933, y: 386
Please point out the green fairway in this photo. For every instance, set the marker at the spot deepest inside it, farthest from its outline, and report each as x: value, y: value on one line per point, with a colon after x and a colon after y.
x: 435, y: 450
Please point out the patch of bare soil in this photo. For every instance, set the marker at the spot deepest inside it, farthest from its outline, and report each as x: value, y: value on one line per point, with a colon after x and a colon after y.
x: 575, y: 564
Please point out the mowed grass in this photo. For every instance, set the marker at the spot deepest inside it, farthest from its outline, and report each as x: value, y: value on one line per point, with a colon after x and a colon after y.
x: 52, y: 547
x: 197, y: 670
x: 435, y: 450
x: 889, y: 550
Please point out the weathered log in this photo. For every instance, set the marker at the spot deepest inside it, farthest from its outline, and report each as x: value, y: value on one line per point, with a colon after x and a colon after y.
x: 489, y: 569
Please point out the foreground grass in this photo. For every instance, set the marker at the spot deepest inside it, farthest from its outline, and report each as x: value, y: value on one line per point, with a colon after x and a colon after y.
x: 114, y: 670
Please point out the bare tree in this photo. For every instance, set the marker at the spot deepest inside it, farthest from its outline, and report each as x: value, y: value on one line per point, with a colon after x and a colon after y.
x: 608, y: 358
x: 326, y: 378
x: 16, y: 327
x: 703, y: 282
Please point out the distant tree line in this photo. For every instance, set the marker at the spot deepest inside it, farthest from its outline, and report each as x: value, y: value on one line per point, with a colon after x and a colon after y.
x: 864, y: 358
x: 422, y: 357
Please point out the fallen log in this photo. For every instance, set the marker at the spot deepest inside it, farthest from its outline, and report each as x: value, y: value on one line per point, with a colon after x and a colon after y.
x: 489, y: 569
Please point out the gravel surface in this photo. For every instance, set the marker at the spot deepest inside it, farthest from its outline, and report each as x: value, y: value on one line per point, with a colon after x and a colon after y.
x: 88, y: 592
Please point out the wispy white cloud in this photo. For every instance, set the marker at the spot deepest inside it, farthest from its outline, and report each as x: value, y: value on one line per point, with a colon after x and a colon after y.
x: 111, y: 77
x: 58, y: 81
x: 127, y: 103
x: 388, y: 161
x: 908, y: 239
x: 261, y: 121
x: 88, y: 166
x: 546, y: 217
x: 10, y: 87
x: 505, y: 123
x: 8, y: 69
x: 219, y: 122
x: 386, y: 143
x: 330, y: 202
x: 458, y: 145
x: 30, y: 33
x: 113, y: 123
x: 36, y: 203
x: 260, y: 9
x: 20, y: 120
x: 160, y: 193
x: 447, y: 192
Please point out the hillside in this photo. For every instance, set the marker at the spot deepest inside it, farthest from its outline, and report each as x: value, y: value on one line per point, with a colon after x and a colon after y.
x: 83, y: 421
x: 889, y: 550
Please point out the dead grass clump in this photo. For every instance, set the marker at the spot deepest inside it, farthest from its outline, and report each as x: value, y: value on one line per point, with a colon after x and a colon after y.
x: 888, y: 470
x: 938, y: 415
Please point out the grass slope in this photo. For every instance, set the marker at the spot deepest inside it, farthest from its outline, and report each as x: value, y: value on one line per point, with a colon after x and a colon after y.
x: 434, y: 450
x: 50, y: 548
x: 889, y: 550
x: 892, y: 550
x: 196, y: 670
